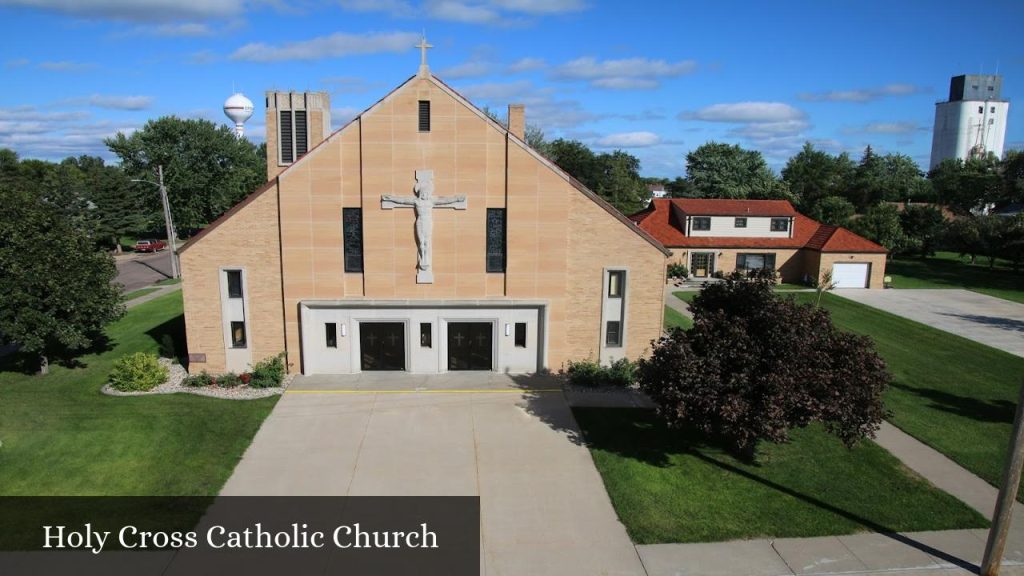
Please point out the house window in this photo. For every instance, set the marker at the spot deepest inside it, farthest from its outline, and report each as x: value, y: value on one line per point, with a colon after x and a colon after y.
x: 613, y: 334
x: 234, y: 283
x: 992, y: 109
x: 424, y: 115
x: 702, y: 223
x: 520, y: 334
x: 780, y: 224
x: 740, y: 223
x: 237, y: 334
x: 748, y: 262
x: 616, y: 280
x: 293, y: 135
x: 331, y: 334
x: 426, y: 335
x: 981, y: 109
x: 495, y: 239
x: 352, y: 230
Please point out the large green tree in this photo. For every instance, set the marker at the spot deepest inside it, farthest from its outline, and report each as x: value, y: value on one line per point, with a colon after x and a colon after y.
x: 881, y: 224
x: 717, y: 170
x: 206, y: 168
x: 615, y: 176
x: 923, y: 226
x: 966, y: 186
x: 813, y: 175
x: 55, y: 284
x: 834, y: 210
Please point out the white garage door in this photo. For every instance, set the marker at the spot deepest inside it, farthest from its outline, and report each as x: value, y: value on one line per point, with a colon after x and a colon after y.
x: 850, y: 275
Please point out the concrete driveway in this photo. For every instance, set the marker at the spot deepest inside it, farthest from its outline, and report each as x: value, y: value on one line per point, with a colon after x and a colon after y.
x: 993, y: 321
x: 136, y: 271
x: 544, y: 509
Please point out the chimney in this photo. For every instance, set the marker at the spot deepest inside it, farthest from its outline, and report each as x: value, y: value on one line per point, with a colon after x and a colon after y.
x: 296, y: 122
x: 517, y: 120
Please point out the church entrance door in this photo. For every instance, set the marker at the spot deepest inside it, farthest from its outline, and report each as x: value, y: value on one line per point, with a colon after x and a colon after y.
x: 470, y: 346
x: 382, y: 345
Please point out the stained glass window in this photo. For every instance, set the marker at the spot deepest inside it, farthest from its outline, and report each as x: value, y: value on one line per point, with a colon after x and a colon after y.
x: 352, y: 228
x: 495, y: 239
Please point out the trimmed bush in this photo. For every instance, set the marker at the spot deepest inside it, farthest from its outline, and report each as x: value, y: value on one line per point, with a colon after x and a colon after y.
x: 590, y: 374
x: 678, y: 271
x: 137, y: 372
x: 229, y: 380
x: 268, y: 373
x: 199, y: 380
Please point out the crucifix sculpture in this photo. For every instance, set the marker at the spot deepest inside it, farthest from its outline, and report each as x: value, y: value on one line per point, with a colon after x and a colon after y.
x: 423, y: 203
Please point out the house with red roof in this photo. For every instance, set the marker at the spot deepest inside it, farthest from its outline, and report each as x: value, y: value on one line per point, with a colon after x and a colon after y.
x: 711, y: 236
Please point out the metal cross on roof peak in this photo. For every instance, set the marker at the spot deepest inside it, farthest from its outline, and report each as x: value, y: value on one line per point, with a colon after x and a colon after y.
x: 423, y: 46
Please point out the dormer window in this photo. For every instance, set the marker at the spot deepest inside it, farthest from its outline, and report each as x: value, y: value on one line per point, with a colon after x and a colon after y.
x: 780, y: 224
x: 701, y: 223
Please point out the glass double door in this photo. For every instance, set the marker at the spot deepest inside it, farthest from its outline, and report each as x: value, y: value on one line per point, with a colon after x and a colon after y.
x: 702, y: 264
x: 470, y: 346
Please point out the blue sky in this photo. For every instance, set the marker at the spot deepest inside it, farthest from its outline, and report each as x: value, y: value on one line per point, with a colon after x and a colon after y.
x: 654, y: 78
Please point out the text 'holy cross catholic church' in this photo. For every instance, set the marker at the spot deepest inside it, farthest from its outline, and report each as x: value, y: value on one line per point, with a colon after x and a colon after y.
x: 422, y: 236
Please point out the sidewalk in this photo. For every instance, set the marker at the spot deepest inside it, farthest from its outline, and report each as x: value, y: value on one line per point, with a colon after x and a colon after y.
x: 160, y: 291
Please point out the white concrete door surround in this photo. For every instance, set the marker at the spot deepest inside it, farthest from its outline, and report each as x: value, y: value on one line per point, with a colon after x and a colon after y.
x: 851, y: 274
x: 331, y: 333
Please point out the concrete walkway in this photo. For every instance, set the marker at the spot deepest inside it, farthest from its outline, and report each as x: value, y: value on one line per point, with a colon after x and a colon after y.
x: 675, y: 303
x: 544, y: 509
x: 160, y: 291
x: 992, y: 321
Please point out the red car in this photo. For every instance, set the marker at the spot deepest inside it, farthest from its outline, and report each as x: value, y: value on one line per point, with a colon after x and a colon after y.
x: 150, y: 245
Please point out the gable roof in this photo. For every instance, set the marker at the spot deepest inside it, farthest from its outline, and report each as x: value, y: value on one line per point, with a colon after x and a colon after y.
x: 729, y: 207
x: 462, y: 100
x: 807, y: 232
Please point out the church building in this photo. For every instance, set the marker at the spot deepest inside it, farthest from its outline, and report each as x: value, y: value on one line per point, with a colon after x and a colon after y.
x: 422, y: 236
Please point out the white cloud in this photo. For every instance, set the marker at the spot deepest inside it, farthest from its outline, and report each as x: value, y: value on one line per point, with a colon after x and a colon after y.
x: 627, y: 73
x: 347, y: 85
x: 745, y: 112
x: 342, y: 116
x: 862, y: 94
x: 202, y: 57
x: 457, y: 11
x: 394, y: 8
x: 121, y: 102
x: 629, y: 140
x: 886, y: 128
x: 468, y: 69
x: 336, y: 45
x: 174, y: 30
x: 497, y: 90
x: 17, y: 63
x: 134, y: 10
x: 540, y: 6
x: 34, y: 133
x: 66, y: 66
x: 527, y: 64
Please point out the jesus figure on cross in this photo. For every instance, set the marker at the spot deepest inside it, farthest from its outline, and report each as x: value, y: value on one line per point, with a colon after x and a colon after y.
x: 423, y: 203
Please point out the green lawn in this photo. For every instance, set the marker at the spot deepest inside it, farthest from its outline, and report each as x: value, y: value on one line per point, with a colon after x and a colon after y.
x: 60, y: 436
x: 676, y: 487
x: 168, y: 282
x: 137, y: 293
x: 952, y: 393
x: 674, y: 319
x: 948, y: 270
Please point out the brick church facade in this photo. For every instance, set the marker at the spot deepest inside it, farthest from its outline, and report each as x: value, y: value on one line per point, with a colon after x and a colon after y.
x: 422, y: 236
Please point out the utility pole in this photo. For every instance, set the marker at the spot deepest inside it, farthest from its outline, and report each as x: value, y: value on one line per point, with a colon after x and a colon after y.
x: 1007, y: 496
x: 168, y: 220
x: 169, y: 223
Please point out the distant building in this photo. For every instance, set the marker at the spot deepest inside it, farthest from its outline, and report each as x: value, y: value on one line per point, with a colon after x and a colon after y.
x: 657, y: 190
x: 973, y: 122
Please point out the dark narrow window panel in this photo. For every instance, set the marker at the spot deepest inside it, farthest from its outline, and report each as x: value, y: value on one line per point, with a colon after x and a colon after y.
x: 426, y: 335
x: 613, y: 333
x: 301, y: 135
x: 520, y: 334
x: 495, y: 239
x: 424, y: 115
x: 331, y: 334
x: 284, y: 133
x: 238, y: 334
x: 234, y: 283
x: 352, y: 230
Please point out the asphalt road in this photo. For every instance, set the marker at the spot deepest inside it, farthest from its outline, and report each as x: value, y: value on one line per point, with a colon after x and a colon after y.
x: 136, y: 271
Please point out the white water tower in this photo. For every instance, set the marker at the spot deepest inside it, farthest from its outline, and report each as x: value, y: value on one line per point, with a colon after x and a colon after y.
x: 239, y: 109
